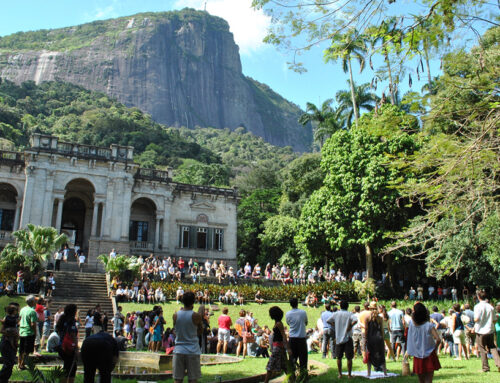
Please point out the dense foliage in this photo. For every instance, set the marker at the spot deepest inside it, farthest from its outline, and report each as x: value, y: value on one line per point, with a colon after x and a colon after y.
x: 78, y: 115
x: 33, y: 246
x: 103, y: 31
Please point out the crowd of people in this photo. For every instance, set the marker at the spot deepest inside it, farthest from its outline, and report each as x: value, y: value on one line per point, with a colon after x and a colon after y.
x: 155, y: 268
x: 369, y: 332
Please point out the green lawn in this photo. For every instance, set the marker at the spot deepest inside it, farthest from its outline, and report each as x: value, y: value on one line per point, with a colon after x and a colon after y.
x: 451, y: 371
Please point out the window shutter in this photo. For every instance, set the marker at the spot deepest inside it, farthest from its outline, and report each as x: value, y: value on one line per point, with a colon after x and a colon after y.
x: 180, y: 236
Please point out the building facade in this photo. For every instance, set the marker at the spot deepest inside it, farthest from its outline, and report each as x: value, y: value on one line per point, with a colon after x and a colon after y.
x: 102, y: 200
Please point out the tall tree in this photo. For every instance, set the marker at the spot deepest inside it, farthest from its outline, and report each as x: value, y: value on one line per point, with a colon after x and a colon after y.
x: 357, y: 204
x: 364, y: 99
x: 387, y: 38
x: 326, y: 120
x: 457, y: 169
x: 348, y: 46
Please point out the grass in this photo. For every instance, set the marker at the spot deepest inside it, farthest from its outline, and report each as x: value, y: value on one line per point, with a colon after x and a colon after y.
x: 451, y: 371
x: 261, y: 312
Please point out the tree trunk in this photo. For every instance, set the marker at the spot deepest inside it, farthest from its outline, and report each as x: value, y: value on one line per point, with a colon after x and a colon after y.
x: 390, y: 270
x: 354, y: 106
x: 369, y: 260
x: 389, y: 73
x: 429, y: 78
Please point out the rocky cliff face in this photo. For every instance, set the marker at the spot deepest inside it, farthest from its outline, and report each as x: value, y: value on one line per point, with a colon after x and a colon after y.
x: 181, y: 67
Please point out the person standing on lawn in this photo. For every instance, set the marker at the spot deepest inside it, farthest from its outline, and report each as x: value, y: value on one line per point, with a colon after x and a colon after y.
x: 188, y: 325
x: 484, y: 317
x: 396, y: 329
x: 225, y: 324
x: 277, y: 361
x: 423, y: 341
x: 297, y: 320
x: 328, y: 332
x: 343, y: 321
x: 27, y: 330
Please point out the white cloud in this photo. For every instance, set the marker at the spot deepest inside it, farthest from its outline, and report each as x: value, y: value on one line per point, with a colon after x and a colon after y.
x: 248, y: 26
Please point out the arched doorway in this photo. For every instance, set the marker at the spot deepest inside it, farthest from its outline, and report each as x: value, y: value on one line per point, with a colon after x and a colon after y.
x: 76, y: 220
x: 8, y: 206
x: 142, y: 224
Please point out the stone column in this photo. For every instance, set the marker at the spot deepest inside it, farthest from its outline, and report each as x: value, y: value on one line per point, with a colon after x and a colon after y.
x: 127, y: 205
x: 48, y: 200
x: 60, y: 203
x: 166, y: 225
x: 17, y: 216
x: 103, y: 215
x: 107, y: 218
x: 157, y: 232
x: 28, y: 195
x: 93, y: 230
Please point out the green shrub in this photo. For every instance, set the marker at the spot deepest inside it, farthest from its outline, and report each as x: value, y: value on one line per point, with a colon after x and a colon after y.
x: 276, y: 293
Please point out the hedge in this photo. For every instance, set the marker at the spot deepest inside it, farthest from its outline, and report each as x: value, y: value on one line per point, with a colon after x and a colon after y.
x: 279, y: 293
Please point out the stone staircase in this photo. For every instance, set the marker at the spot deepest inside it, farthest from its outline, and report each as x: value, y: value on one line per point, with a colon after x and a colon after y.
x: 86, y: 290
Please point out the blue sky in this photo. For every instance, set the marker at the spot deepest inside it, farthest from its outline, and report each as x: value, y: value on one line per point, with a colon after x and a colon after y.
x: 260, y: 61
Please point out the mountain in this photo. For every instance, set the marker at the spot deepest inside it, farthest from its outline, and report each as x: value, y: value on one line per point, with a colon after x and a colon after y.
x: 182, y: 67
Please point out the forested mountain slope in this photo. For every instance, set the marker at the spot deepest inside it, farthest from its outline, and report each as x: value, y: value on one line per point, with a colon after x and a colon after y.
x: 181, y: 67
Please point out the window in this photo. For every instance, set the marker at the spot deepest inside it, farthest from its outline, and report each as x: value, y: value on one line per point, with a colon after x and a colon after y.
x: 185, y: 236
x: 6, y: 219
x: 219, y: 239
x: 139, y: 231
x: 201, y: 238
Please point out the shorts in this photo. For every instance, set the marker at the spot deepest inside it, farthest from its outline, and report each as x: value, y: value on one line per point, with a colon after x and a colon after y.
x: 387, y: 335
x: 397, y: 337
x: 356, y: 339
x: 26, y: 344
x: 186, y: 364
x: 470, y: 337
x: 346, y: 349
x: 46, y: 330
x: 224, y: 335
x: 459, y: 337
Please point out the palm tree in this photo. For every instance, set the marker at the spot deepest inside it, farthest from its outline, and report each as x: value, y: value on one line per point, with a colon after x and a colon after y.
x: 345, y: 47
x: 364, y: 99
x: 326, y: 120
x: 389, y: 36
x: 34, y: 245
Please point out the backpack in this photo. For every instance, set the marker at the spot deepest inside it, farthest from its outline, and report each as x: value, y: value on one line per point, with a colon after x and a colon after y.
x: 68, y: 344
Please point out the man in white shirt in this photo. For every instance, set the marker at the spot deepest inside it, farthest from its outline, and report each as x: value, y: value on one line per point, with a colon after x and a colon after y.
x: 112, y: 254
x: 484, y: 318
x: 81, y: 261
x: 297, y: 320
x: 343, y: 321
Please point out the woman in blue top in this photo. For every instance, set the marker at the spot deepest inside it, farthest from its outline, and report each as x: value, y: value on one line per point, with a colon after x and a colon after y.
x: 422, y: 343
x: 157, y: 334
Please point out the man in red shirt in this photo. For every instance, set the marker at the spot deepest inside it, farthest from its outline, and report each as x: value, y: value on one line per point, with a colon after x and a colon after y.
x: 224, y: 332
x: 181, y: 264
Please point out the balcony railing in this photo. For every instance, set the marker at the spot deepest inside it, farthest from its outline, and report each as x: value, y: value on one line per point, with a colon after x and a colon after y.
x: 207, y: 190
x: 10, y: 158
x: 6, y: 235
x: 142, y: 245
x: 152, y: 175
x: 51, y: 144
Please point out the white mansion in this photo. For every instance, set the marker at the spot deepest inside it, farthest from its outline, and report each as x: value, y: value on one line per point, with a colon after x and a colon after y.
x: 102, y: 200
